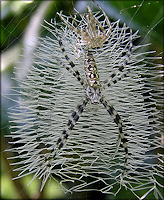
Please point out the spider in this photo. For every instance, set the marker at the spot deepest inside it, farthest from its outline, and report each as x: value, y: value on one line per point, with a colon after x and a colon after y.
x: 91, y: 34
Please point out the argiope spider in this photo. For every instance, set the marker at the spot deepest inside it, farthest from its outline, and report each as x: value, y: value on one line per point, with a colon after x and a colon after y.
x: 91, y: 34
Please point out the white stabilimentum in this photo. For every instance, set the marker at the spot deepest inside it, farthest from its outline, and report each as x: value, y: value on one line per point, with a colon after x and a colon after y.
x: 50, y: 94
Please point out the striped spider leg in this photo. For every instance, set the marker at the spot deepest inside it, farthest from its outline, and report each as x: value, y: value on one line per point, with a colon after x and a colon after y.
x: 117, y: 119
x: 74, y: 72
x: 71, y: 123
x: 119, y: 73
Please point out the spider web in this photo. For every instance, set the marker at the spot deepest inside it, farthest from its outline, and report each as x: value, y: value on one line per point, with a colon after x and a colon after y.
x: 48, y: 97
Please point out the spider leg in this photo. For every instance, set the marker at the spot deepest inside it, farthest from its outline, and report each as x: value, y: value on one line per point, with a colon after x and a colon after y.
x: 92, y: 30
x: 71, y: 70
x: 117, y: 119
x: 71, y: 123
x: 91, y: 23
x: 106, y: 17
x: 70, y: 26
x: 113, y: 78
x: 74, y: 22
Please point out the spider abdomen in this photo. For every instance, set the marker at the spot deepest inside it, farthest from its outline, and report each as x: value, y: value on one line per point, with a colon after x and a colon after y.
x: 91, y: 71
x: 92, y: 77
